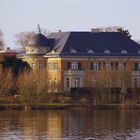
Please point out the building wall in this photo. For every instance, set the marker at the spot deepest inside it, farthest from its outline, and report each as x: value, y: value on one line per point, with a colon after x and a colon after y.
x: 54, y: 72
x: 58, y: 72
x: 103, y: 76
x: 36, y: 62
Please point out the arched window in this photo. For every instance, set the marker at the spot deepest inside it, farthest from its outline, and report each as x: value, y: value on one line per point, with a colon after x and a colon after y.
x: 77, y: 82
x: 107, y: 51
x: 124, y: 52
x: 73, y: 51
x: 90, y: 51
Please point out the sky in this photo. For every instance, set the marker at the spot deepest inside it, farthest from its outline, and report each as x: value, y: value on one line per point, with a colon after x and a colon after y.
x: 67, y: 15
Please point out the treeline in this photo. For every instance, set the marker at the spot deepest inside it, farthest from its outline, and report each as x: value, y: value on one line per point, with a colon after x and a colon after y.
x: 19, y: 81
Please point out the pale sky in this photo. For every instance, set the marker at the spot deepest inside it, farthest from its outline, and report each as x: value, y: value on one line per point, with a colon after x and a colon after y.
x: 68, y: 15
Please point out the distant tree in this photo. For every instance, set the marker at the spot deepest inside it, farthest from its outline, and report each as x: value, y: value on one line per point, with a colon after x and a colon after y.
x: 125, y: 32
x: 1, y: 40
x: 14, y: 64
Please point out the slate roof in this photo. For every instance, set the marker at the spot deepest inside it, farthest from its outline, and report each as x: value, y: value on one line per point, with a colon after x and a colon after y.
x: 99, y: 42
x: 41, y: 41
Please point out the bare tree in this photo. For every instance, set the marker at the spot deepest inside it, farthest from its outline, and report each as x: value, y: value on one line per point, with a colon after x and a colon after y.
x: 1, y: 40
x: 23, y: 38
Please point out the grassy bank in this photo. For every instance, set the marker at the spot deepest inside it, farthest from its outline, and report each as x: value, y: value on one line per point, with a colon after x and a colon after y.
x: 65, y: 106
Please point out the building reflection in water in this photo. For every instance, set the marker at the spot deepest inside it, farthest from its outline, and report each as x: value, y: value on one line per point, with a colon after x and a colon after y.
x: 61, y: 124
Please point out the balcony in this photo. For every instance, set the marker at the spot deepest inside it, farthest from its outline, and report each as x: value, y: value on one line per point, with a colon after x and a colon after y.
x: 135, y: 73
x: 74, y: 72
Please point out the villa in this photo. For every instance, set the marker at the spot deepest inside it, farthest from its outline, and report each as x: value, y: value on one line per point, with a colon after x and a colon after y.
x: 100, y: 58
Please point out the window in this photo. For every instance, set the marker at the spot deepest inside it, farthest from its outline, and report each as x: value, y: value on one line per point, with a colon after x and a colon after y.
x: 108, y: 83
x: 94, y: 66
x: 90, y: 51
x: 67, y: 83
x: 77, y: 82
x: 33, y: 65
x: 136, y: 66
x: 94, y: 82
x: 50, y: 82
x: 124, y: 52
x: 55, y: 81
x: 41, y: 66
x: 135, y: 82
x: 74, y: 66
x: 41, y: 50
x: 108, y: 66
x: 73, y: 51
x: 49, y: 66
x: 120, y: 83
x: 55, y: 66
x: 121, y: 65
x: 116, y: 66
x: 107, y: 51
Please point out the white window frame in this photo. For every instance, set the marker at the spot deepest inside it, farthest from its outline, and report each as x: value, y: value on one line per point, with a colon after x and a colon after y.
x: 74, y: 65
x: 107, y: 52
x: 33, y: 65
x: 41, y: 66
x: 77, y: 82
x: 55, y: 66
x: 49, y: 66
x: 95, y: 66
x: 121, y: 65
x: 108, y: 66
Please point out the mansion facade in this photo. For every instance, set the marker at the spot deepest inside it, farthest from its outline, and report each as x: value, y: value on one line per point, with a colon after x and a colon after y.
x: 85, y: 60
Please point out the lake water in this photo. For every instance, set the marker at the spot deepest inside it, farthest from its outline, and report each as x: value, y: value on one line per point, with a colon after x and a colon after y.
x: 70, y: 125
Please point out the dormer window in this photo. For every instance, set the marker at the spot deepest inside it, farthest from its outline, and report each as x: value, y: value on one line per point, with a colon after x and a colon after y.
x: 124, y: 52
x: 107, y: 51
x: 73, y: 51
x: 90, y: 51
x: 53, y: 51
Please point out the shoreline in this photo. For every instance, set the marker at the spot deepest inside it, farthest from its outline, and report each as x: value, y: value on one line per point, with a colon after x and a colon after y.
x: 55, y: 106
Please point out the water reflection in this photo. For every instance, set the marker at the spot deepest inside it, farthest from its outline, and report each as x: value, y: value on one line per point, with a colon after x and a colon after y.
x: 60, y: 124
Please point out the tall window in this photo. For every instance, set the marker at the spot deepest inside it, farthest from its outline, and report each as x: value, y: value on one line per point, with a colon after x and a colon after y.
x: 49, y: 66
x: 116, y: 66
x: 108, y: 66
x: 121, y: 65
x: 137, y: 66
x: 41, y: 66
x: 67, y: 83
x: 33, y: 65
x: 135, y: 82
x: 55, y: 81
x: 77, y: 82
x: 74, y: 65
x: 94, y: 82
x: 108, y: 83
x: 94, y: 66
x: 55, y: 66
